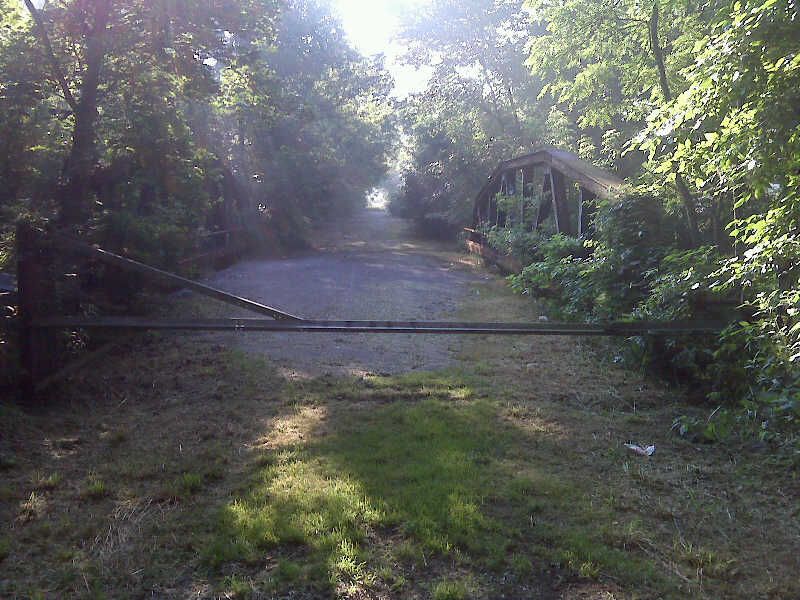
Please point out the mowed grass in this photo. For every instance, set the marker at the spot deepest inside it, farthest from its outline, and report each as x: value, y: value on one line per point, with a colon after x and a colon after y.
x: 181, y: 469
x: 389, y: 484
x: 384, y: 489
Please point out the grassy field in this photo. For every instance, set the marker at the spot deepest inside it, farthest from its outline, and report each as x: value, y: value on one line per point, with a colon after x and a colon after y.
x: 178, y: 469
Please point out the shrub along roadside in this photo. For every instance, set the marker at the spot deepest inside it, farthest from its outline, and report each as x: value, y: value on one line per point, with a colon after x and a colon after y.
x: 636, y: 268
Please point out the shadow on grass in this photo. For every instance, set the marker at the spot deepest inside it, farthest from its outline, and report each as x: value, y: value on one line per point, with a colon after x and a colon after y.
x: 386, y: 485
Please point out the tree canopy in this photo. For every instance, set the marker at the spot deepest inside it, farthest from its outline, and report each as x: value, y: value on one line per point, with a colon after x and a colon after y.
x: 150, y: 121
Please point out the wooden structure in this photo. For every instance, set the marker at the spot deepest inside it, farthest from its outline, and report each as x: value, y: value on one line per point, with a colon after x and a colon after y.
x: 541, y: 181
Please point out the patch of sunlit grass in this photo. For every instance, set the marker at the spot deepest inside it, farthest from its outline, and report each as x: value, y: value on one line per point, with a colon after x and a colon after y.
x: 44, y: 482
x: 94, y: 487
x: 450, y: 590
x: 439, y: 476
x: 296, y: 501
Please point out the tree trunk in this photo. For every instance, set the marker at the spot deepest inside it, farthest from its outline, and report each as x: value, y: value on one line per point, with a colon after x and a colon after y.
x: 72, y: 196
x: 512, y: 105
x: 689, y: 203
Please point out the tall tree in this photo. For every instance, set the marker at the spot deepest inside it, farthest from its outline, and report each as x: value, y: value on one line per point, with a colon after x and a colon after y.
x: 93, y: 17
x: 479, y: 107
x: 612, y: 62
x: 735, y: 131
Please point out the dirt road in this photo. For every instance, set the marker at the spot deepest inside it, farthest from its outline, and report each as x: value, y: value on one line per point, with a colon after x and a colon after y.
x: 369, y: 266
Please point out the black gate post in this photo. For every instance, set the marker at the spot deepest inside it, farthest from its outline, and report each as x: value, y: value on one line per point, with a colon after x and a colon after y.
x: 29, y: 272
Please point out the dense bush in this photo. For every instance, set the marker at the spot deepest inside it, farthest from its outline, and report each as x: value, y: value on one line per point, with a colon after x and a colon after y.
x: 610, y: 275
x: 632, y: 269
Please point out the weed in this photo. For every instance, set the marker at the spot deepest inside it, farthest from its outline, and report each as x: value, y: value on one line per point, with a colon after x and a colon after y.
x: 409, y: 552
x: 188, y: 484
x: 288, y: 571
x: 521, y: 566
x: 395, y: 581
x: 577, y: 562
x: 450, y: 590
x: 706, y: 563
x: 32, y: 508
x: 46, y: 482
x: 94, y: 487
x: 237, y: 587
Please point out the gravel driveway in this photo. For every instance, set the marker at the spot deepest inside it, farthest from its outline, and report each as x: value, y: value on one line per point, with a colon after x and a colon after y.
x: 369, y: 266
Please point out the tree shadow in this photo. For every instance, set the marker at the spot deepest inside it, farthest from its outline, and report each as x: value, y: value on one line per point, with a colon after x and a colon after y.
x: 391, y: 487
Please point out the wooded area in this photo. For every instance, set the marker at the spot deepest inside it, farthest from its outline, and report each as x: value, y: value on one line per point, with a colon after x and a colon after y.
x: 149, y: 123
x: 695, y: 105
x: 146, y: 126
x: 149, y: 126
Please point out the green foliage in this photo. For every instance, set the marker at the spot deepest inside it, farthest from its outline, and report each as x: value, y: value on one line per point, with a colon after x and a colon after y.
x: 209, y: 116
x: 259, y: 115
x: 555, y: 264
x: 734, y: 132
x: 697, y: 102
x: 250, y: 116
x: 479, y: 108
x: 516, y: 241
x: 631, y: 270
x: 596, y: 56
x: 185, y: 485
x: 237, y: 587
x: 94, y: 487
x: 607, y: 276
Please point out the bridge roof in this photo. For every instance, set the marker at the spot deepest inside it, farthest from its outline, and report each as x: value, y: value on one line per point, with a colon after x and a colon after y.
x: 599, y: 181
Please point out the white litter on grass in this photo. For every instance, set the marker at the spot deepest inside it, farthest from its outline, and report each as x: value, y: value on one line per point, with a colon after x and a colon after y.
x: 644, y: 451
x: 543, y: 318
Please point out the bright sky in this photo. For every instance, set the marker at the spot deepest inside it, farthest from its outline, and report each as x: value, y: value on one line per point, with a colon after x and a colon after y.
x: 372, y: 26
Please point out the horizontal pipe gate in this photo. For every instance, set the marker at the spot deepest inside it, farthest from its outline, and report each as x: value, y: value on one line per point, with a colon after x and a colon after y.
x: 34, y: 323
x: 614, y: 328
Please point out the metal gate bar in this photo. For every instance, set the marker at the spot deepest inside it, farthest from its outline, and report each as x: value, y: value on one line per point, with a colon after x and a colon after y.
x: 616, y: 328
x: 37, y: 327
x: 201, y: 288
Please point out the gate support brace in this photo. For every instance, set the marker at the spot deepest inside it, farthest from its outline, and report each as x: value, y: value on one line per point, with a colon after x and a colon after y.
x: 129, y: 264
